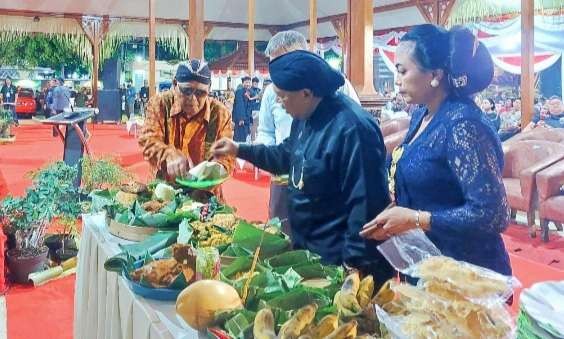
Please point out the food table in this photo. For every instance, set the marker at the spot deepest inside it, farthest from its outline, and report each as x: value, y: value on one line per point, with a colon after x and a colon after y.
x: 105, y: 306
x: 283, y: 289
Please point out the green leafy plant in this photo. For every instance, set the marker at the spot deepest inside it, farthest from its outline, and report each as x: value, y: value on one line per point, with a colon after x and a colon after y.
x: 102, y: 173
x: 51, y: 195
x: 6, y: 121
x: 68, y: 227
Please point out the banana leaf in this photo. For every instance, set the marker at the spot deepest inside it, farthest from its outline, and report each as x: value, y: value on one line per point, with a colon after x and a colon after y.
x: 167, y: 217
x: 323, y: 311
x: 222, y: 316
x: 137, y: 251
x: 156, y: 220
x: 239, y: 327
x: 270, y: 285
x: 148, y: 258
x: 215, y: 207
x: 289, y: 259
x: 299, y: 297
x: 286, y: 281
x: 313, y: 270
x: 234, y: 250
x: 101, y: 199
x: 248, y: 237
x: 169, y: 208
x: 124, y: 217
x: 241, y: 264
x: 159, y: 219
x: 177, y: 216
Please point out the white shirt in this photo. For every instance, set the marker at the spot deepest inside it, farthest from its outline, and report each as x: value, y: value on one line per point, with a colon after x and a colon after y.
x: 275, y: 123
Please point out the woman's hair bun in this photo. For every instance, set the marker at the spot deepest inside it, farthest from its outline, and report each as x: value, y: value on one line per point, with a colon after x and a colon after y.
x: 466, y: 61
x: 470, y: 66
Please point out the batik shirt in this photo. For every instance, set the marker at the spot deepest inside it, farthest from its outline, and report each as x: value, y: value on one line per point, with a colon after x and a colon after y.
x: 186, y: 135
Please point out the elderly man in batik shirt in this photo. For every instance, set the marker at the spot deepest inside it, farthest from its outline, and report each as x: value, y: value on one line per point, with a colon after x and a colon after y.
x: 182, y: 123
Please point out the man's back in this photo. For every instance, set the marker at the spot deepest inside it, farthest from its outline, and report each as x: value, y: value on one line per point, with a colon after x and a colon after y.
x: 61, y: 98
x: 144, y: 93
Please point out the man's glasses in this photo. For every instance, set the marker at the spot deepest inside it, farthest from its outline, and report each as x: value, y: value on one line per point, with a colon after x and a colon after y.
x: 189, y: 91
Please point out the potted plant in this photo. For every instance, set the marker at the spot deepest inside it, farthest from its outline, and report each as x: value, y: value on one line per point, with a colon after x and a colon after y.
x: 63, y: 244
x: 6, y: 122
x: 102, y: 173
x: 52, y: 195
x: 69, y: 234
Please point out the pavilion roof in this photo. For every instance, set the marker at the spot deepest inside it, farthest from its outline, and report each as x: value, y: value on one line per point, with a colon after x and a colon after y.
x: 238, y: 61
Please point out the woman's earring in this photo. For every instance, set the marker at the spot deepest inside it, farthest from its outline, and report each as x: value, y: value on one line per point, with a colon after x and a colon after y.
x: 434, y: 83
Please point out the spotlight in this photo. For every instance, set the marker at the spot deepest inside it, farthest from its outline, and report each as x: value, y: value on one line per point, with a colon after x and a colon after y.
x: 36, y: 19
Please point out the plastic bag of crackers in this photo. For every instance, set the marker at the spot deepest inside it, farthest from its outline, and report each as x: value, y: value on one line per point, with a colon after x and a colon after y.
x: 444, y: 298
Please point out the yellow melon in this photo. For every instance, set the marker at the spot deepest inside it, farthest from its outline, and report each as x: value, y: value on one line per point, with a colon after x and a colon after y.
x: 198, y: 303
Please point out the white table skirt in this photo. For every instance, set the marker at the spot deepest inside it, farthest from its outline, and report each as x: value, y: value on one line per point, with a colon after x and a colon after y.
x: 105, y: 307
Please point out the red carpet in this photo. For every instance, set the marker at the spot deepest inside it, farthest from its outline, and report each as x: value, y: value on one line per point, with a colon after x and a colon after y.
x: 47, y: 311
x: 518, y: 242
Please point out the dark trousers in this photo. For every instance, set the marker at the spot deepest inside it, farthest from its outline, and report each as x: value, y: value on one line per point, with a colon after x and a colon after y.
x: 241, y: 133
x: 278, y: 205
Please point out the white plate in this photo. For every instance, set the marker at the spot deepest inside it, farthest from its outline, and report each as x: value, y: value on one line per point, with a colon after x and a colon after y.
x: 544, y: 302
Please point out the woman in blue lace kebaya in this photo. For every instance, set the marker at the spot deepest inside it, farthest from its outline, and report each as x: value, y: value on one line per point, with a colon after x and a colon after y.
x: 446, y: 177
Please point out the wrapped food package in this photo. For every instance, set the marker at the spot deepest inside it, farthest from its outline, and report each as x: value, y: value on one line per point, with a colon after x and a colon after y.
x: 208, y: 170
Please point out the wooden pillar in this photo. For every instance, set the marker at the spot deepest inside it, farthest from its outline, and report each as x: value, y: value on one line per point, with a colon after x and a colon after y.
x: 313, y: 25
x: 196, y: 29
x: 361, y: 54
x: 95, y: 29
x: 152, y: 43
x: 340, y: 26
x: 95, y: 71
x: 527, y: 61
x: 251, y: 15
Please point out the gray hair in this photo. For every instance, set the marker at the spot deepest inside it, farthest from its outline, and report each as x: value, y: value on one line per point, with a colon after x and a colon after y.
x: 284, y: 42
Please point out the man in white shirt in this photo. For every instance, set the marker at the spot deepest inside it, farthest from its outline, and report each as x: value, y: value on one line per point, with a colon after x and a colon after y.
x: 275, y: 123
